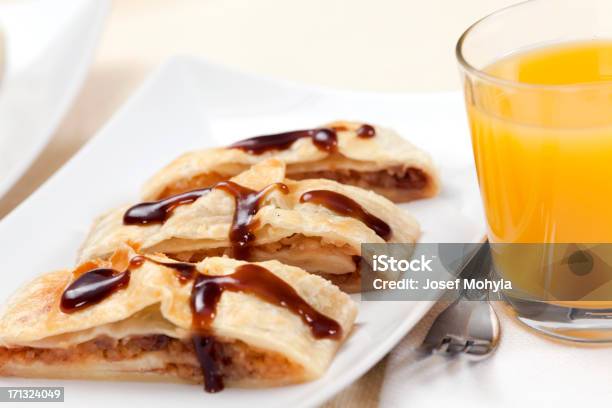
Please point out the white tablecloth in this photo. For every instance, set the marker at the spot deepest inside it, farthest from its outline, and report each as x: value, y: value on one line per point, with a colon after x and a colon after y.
x: 527, y: 370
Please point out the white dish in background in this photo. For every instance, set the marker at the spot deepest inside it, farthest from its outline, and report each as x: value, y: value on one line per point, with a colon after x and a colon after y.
x: 48, y: 47
x: 188, y: 104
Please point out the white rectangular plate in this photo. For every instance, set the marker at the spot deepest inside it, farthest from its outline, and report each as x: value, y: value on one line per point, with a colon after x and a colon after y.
x: 187, y: 104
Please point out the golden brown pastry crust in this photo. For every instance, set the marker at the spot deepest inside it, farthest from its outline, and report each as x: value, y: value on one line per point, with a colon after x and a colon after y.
x: 386, y: 163
x: 302, y: 234
x: 156, y: 303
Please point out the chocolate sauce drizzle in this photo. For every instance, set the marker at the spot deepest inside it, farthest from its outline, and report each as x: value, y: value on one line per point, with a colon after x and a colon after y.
x: 92, y: 287
x: 95, y: 285
x: 366, y: 131
x: 184, y: 271
x: 323, y: 138
x: 247, y: 202
x: 343, y: 205
x: 207, y: 351
x: 252, y: 279
x: 256, y: 280
x: 156, y: 212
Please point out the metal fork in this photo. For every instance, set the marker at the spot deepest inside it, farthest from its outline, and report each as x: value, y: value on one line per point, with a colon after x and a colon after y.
x: 468, y: 326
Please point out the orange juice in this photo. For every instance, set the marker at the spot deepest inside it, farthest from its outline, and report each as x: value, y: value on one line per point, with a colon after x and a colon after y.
x: 543, y: 152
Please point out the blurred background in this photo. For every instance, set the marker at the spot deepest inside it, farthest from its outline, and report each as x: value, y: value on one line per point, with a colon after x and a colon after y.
x: 382, y: 45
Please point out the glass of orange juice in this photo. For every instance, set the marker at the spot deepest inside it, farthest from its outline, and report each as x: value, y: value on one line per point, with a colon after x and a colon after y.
x: 537, y: 78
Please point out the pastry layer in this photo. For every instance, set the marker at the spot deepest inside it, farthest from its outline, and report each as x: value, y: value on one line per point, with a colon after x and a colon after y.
x: 397, y: 184
x: 385, y: 163
x: 304, y: 234
x: 266, y: 343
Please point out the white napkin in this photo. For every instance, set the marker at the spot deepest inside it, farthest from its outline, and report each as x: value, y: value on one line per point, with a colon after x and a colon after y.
x: 527, y: 369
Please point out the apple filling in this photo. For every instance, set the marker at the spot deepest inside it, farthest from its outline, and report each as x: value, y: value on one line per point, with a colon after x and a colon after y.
x: 237, y: 361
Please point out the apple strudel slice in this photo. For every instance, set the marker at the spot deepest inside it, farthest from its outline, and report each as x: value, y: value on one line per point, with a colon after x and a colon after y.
x: 316, y: 224
x: 147, y: 317
x: 371, y: 157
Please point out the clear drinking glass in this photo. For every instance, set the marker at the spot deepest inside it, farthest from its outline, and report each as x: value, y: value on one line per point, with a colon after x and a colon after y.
x: 543, y: 152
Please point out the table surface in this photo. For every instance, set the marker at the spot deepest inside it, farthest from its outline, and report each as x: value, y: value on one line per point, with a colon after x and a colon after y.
x: 387, y: 45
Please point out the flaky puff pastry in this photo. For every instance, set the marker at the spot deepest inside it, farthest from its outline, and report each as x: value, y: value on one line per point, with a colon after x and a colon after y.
x: 143, y: 331
x: 385, y: 163
x: 306, y: 235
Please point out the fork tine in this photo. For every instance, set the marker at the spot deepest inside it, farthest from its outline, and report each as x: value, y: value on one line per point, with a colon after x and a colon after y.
x: 469, y: 327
